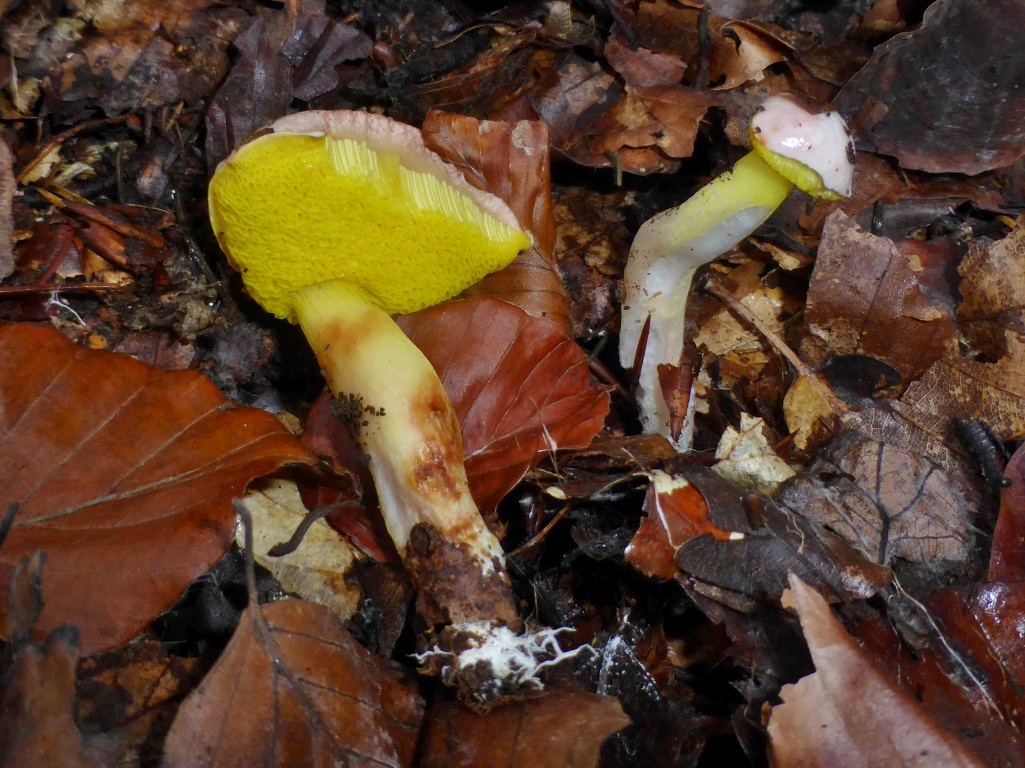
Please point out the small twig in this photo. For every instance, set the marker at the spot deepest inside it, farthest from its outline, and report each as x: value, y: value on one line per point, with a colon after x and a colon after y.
x: 290, y: 546
x: 8, y: 521
x: 540, y: 535
x: 250, y: 563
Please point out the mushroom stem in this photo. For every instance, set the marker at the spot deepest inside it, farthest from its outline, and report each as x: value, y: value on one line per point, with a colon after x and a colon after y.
x: 666, y: 252
x: 407, y: 427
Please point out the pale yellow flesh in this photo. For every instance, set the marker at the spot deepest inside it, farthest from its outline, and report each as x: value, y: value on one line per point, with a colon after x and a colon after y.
x: 666, y: 252
x: 411, y: 433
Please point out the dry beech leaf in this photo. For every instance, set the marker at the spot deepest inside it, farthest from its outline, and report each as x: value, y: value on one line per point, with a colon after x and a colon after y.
x: 945, y: 97
x: 317, y: 570
x: 135, y: 690
x: 741, y: 52
x: 746, y: 457
x: 871, y: 296
x: 37, y: 700
x: 564, y: 728
x: 848, y: 712
x: 519, y: 386
x: 993, y: 292
x: 510, y: 161
x: 294, y: 688
x: 124, y: 475
x: 885, y: 501
x: 954, y: 387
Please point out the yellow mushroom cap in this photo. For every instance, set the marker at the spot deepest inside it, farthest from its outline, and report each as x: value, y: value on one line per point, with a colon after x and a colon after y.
x: 357, y: 197
x: 814, y: 151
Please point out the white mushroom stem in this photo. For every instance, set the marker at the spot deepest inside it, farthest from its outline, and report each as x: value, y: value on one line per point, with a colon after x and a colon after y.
x: 408, y: 427
x: 666, y: 252
x: 792, y: 146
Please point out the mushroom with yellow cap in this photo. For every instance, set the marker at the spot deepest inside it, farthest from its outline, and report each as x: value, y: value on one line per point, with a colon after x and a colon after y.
x: 792, y: 146
x: 337, y: 220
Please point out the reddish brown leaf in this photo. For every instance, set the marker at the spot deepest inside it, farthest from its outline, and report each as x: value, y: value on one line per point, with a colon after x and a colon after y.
x: 124, y: 475
x: 512, y: 162
x: 564, y: 728
x: 677, y: 513
x: 520, y: 388
x: 871, y: 296
x: 934, y: 673
x: 1007, y: 558
x: 294, y: 688
x: 945, y: 97
x: 848, y: 712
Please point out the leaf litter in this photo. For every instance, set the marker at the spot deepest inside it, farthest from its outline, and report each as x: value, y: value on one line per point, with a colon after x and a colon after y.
x: 900, y: 418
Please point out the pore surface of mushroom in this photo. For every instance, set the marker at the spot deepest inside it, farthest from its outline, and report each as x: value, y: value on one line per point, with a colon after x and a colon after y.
x: 337, y: 220
x: 791, y: 146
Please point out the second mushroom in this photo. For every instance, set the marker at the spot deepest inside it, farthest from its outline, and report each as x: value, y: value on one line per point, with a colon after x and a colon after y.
x: 792, y: 146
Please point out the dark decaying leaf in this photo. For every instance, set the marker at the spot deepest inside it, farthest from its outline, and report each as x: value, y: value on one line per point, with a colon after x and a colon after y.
x: 848, y: 712
x: 124, y: 475
x: 37, y: 699
x: 872, y: 296
x: 294, y: 688
x: 564, y: 728
x: 947, y: 96
x: 519, y: 386
x: 281, y: 58
x: 775, y: 541
x: 512, y: 162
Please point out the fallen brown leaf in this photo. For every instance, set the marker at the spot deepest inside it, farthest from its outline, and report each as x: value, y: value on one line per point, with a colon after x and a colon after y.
x: 564, y: 728
x: 886, y: 502
x: 510, y: 161
x: 124, y: 475
x: 8, y: 187
x: 956, y: 387
x: 848, y: 712
x: 294, y: 688
x: 872, y: 296
x: 519, y: 386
